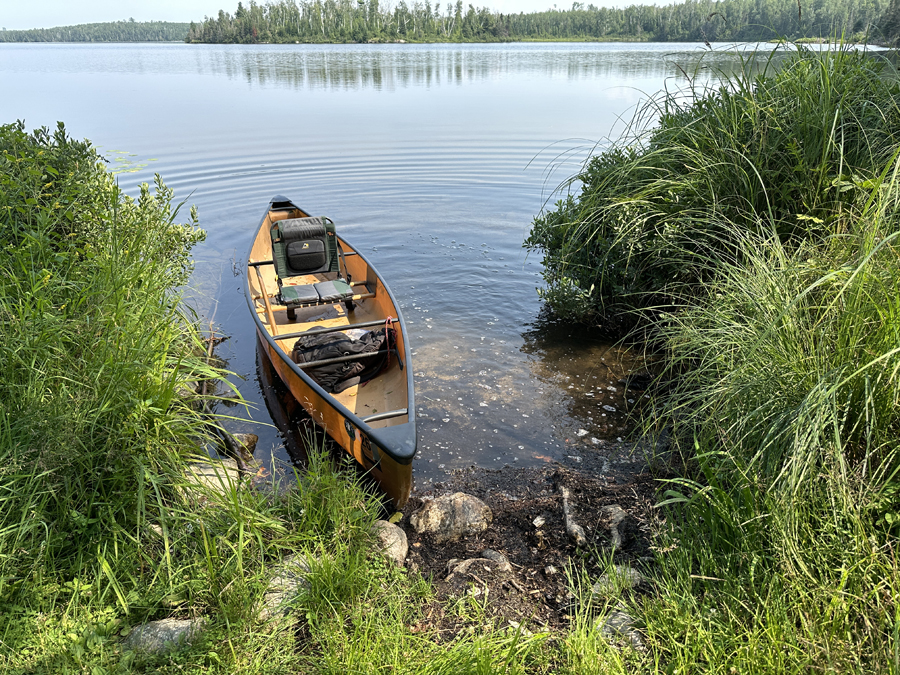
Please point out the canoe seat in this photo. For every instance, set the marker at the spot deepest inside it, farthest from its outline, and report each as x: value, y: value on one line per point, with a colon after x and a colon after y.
x: 312, y: 294
x: 302, y: 246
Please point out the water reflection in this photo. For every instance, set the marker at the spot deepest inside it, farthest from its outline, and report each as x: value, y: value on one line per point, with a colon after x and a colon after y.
x: 389, y: 67
x: 294, y: 428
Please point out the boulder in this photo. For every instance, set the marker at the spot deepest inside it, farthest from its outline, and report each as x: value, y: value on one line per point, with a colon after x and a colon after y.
x: 391, y: 540
x: 164, y: 636
x: 619, y: 624
x: 451, y: 517
x: 622, y: 578
x: 288, y: 579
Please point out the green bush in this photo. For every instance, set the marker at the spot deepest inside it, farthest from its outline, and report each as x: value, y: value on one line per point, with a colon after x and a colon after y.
x: 790, y: 144
x: 95, y: 349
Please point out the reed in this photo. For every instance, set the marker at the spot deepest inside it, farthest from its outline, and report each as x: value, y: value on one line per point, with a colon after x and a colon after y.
x: 789, y: 141
x: 752, y: 233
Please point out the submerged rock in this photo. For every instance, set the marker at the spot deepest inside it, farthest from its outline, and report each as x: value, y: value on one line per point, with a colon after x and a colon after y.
x: 392, y: 541
x: 247, y: 442
x: 453, y: 516
x: 164, y: 636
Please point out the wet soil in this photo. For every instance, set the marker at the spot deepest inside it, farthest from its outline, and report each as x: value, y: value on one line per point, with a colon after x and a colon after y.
x: 529, y: 529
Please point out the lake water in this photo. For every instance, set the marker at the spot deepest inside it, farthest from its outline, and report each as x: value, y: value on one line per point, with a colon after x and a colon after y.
x: 433, y: 159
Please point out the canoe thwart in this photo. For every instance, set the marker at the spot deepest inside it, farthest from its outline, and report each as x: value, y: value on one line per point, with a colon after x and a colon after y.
x: 334, y: 329
x: 350, y: 357
x: 385, y: 415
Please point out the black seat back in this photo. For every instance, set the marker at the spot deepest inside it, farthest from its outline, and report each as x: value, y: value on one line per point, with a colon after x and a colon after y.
x: 304, y: 246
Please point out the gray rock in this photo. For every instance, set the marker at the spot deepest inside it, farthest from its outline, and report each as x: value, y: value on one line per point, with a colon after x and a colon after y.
x: 624, y: 577
x: 164, y: 636
x: 288, y: 579
x: 453, y: 516
x: 619, y: 624
x: 616, y: 515
x: 215, y: 475
x: 392, y: 541
x: 502, y: 561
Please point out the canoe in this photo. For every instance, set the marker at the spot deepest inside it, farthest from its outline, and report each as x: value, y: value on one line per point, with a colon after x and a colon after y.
x: 305, y: 285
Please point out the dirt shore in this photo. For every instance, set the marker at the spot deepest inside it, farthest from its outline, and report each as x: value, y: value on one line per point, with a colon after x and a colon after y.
x: 529, y: 529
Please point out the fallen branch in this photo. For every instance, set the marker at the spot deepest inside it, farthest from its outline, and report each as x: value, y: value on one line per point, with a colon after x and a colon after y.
x: 574, y: 530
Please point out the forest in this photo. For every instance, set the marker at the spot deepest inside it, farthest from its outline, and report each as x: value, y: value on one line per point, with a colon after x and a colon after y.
x: 112, y: 31
x: 417, y: 21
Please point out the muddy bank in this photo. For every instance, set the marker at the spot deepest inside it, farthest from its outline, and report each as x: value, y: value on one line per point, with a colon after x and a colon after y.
x: 612, y: 492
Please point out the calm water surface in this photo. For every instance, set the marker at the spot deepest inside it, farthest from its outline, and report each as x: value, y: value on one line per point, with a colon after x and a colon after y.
x: 431, y: 158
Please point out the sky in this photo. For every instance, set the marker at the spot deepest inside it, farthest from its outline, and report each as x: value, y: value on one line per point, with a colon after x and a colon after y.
x: 23, y: 14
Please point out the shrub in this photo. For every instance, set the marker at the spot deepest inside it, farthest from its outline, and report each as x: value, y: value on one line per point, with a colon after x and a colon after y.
x: 792, y: 145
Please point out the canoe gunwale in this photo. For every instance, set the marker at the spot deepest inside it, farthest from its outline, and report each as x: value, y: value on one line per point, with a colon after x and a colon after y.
x: 401, y: 453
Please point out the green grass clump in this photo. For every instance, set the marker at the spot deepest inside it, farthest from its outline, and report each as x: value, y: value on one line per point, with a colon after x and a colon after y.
x: 94, y: 350
x: 787, y: 385
x: 796, y: 140
x: 754, y: 234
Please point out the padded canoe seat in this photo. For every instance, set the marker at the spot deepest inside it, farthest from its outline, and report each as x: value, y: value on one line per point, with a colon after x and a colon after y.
x: 302, y: 246
x: 311, y: 294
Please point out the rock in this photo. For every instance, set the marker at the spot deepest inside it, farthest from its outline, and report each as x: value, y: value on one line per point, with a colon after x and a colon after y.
x: 187, y: 391
x: 502, y: 561
x: 248, y: 443
x: 164, y: 636
x: 288, y: 579
x: 616, y: 515
x: 623, y: 577
x: 619, y: 624
x: 453, y: 516
x: 391, y: 541
x: 216, y: 475
x: 152, y: 529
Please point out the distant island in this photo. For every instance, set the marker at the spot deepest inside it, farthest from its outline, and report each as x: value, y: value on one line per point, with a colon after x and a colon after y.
x: 112, y: 31
x: 689, y: 21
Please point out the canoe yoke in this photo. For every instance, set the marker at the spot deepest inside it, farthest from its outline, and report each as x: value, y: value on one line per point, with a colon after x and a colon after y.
x: 303, y: 246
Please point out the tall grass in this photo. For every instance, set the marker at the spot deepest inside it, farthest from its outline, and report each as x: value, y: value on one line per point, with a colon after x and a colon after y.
x: 787, y: 398
x: 783, y: 400
x: 794, y: 139
x: 94, y: 348
x: 753, y: 233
